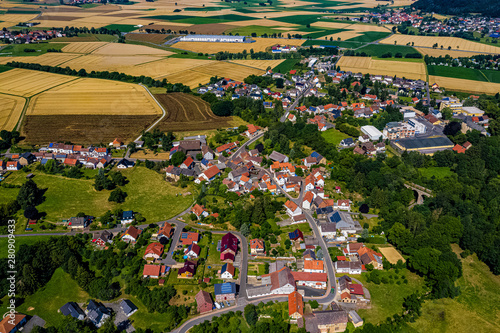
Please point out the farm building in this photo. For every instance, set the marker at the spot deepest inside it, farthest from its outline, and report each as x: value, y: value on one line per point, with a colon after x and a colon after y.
x: 213, y: 39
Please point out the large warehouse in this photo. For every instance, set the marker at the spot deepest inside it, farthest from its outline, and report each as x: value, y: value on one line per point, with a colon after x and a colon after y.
x: 213, y: 38
x: 426, y: 146
x: 372, y: 132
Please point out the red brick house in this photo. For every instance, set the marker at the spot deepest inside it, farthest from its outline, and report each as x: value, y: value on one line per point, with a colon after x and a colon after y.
x: 204, y: 301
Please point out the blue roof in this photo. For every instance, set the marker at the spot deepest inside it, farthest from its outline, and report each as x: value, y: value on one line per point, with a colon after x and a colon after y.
x: 204, y: 162
x: 312, y: 108
x: 224, y: 268
x: 71, y: 308
x: 335, y: 217
x: 315, y: 154
x: 348, y: 141
x: 51, y: 145
x: 127, y: 306
x: 184, y: 235
x: 224, y: 288
x: 495, y: 35
x: 44, y: 160
x: 295, y: 234
x: 128, y: 214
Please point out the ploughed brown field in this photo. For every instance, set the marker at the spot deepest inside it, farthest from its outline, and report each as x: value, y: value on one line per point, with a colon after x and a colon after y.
x: 188, y: 113
x: 84, y: 129
x: 150, y: 38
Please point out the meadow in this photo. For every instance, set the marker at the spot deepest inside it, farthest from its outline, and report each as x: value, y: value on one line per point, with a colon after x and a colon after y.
x: 437, y: 172
x: 334, y: 136
x: 41, y: 48
x: 377, y: 50
x: 456, y: 72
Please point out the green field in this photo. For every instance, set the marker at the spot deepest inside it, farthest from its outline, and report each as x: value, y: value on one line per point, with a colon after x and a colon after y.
x: 456, y: 72
x: 377, y: 50
x: 46, y: 302
x: 286, y: 66
x: 148, y: 193
x: 4, y: 68
x: 323, y: 32
x: 369, y: 36
x: 334, y: 136
x: 491, y: 75
x: 122, y: 27
x: 201, y: 20
x: 437, y: 172
x: 332, y: 43
x: 259, y: 30
x: 18, y: 49
x: 298, y: 19
x: 477, y: 285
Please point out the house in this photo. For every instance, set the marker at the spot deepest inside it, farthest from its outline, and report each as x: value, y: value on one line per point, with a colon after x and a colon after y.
x: 309, y: 254
x: 225, y: 291
x: 204, y: 301
x: 292, y: 209
x: 80, y: 222
x: 313, y: 280
x: 227, y: 257
x: 279, y: 282
x: 187, y: 164
x: 188, y: 270
x: 166, y: 230
x: 229, y: 244
x: 26, y: 158
x: 342, y: 205
x: 252, y: 130
x: 154, y: 251
x: 12, y: 325
x: 257, y: 246
x: 207, y: 152
x: 344, y: 222
x: 73, y: 309
x: 292, y: 117
x: 209, y: 174
x: 125, y: 164
x: 353, y: 248
x: 102, y: 238
x: 326, y: 321
x: 295, y: 305
x: 127, y: 217
x: 368, y: 256
x: 188, y: 238
x: 355, y: 318
x: 227, y: 271
x: 97, y: 313
x: 131, y: 234
x: 128, y: 307
x: 278, y: 157
x: 199, y: 211
x: 296, y: 235
x: 308, y: 200
x: 314, y: 266
x: 153, y: 271
x: 348, y: 267
x: 347, y: 142
x: 192, y: 251
x: 13, y: 165
x: 328, y: 230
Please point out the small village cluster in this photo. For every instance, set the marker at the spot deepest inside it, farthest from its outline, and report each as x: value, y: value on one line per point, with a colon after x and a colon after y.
x: 29, y: 37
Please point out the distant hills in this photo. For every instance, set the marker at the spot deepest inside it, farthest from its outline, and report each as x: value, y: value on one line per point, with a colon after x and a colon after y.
x: 460, y: 7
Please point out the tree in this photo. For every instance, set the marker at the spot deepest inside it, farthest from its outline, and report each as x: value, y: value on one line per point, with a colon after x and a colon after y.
x: 199, y: 156
x: 279, y: 83
x: 364, y: 209
x: 29, y: 194
x: 299, y: 172
x: 31, y: 213
x: 314, y: 304
x: 245, y: 229
x: 117, y: 196
x: 178, y: 157
x: 251, y: 315
x: 288, y: 244
x: 452, y: 128
x: 118, y: 178
x: 222, y: 108
x: 103, y: 182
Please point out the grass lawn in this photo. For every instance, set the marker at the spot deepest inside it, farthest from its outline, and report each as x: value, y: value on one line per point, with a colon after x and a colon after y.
x: 437, y: 172
x: 369, y: 36
x: 304, y: 227
x: 478, y: 303
x: 41, y: 48
x: 377, y: 50
x: 456, y: 72
x: 58, y: 291
x: 387, y: 299
x: 334, y: 136
x: 20, y: 241
x: 148, y: 193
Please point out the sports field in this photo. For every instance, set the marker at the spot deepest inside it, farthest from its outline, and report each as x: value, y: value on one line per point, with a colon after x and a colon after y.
x: 411, y: 70
x: 430, y: 41
x: 11, y: 108
x: 466, y: 85
x: 260, y: 44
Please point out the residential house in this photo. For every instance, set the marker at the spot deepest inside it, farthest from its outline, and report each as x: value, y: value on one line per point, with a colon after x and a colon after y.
x: 199, y: 211
x: 128, y: 307
x: 314, y: 266
x: 280, y: 282
x: 348, y: 267
x: 296, y: 235
x: 309, y: 254
x: 227, y: 271
x: 207, y: 152
x: 328, y: 230
x: 308, y: 200
x: 125, y: 164
x: 187, y: 164
x: 153, y: 271
x: 188, y: 270
x: 13, y: 165
x: 347, y: 142
x: 292, y: 209
x: 166, y: 230
x: 342, y: 205
x: 278, y: 157
x: 127, y: 217
x: 225, y: 291
x: 97, y: 313
x: 353, y: 248
x: 102, y: 238
x: 131, y: 234
x: 188, y: 238
x: 204, y: 301
x: 72, y: 309
x: 313, y: 280
x: 368, y: 256
x: 326, y: 321
x: 192, y: 251
x: 26, y: 158
x: 80, y: 222
x: 252, y: 130
x: 12, y: 325
x: 257, y: 246
x: 154, y: 251
x: 295, y: 305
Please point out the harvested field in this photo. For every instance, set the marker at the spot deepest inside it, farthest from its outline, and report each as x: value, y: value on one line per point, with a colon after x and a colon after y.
x: 190, y: 78
x: 261, y: 44
x: 442, y: 53
x: 412, y: 70
x: 188, y: 113
x: 84, y: 129
x: 465, y: 85
x: 46, y: 59
x: 429, y: 41
x: 93, y: 62
x: 11, y: 108
x: 260, y: 64
x: 391, y: 254
x: 149, y: 38
x: 23, y: 82
x: 49, y: 17
x: 94, y: 96
x: 83, y: 47
x: 118, y: 49
x: 212, y: 28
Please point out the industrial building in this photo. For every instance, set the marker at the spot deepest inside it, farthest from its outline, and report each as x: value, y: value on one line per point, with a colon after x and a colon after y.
x: 426, y: 146
x: 214, y: 39
x: 372, y: 132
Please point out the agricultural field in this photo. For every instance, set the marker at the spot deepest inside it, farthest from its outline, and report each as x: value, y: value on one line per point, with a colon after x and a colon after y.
x: 286, y: 65
x: 259, y: 64
x: 188, y: 113
x: 115, y: 49
x: 411, y: 70
x: 468, y: 86
x: 429, y: 41
x: 261, y: 44
x: 456, y: 72
x: 391, y: 254
x: 26, y: 83
x: 94, y: 96
x: 441, y: 53
x: 148, y: 38
x: 47, y: 59
x: 377, y: 50
x: 11, y: 108
x: 83, y: 47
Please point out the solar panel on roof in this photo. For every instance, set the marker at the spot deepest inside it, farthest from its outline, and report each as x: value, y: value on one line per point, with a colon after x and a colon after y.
x: 226, y: 288
x: 184, y: 236
x: 336, y: 217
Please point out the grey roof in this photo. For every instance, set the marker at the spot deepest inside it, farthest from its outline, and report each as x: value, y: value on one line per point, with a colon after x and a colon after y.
x: 314, y: 319
x: 310, y: 253
x: 127, y: 306
x: 420, y: 143
x: 71, y: 308
x: 276, y: 266
x: 256, y: 291
x: 328, y: 227
x: 355, y: 317
x: 275, y: 156
x: 96, y: 312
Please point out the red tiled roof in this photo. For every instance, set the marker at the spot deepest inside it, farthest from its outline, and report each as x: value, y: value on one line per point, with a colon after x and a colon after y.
x: 304, y: 276
x: 295, y: 303
x: 133, y: 231
x: 151, y: 270
x: 154, y: 248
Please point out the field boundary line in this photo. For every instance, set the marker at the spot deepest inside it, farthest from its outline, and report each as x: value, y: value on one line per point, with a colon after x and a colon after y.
x: 480, y: 71
x: 260, y: 69
x: 78, y: 56
x: 182, y: 97
x: 161, y: 107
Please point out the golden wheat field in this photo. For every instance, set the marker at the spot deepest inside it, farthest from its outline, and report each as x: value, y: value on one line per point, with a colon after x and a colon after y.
x: 83, y: 47
x: 11, y: 108
x: 259, y: 64
x: 118, y: 49
x: 391, y: 254
x: 94, y: 97
x: 411, y: 70
x: 444, y: 52
x: 93, y: 62
x: 26, y: 83
x: 261, y: 44
x: 465, y: 85
x: 47, y: 59
x: 429, y: 41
